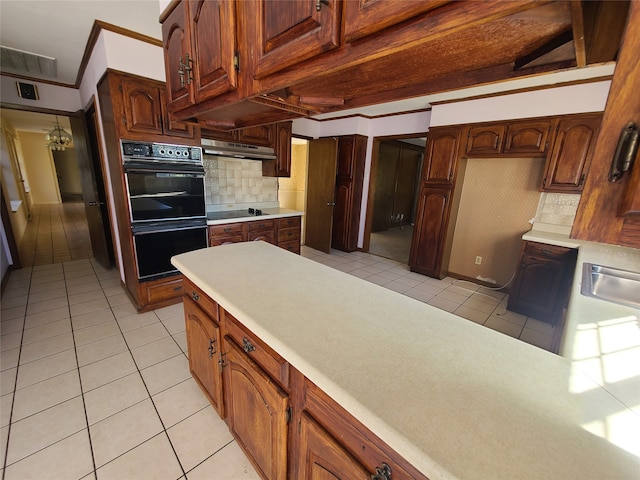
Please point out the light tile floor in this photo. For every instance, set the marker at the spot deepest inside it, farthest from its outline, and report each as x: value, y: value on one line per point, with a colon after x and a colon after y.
x: 92, y: 390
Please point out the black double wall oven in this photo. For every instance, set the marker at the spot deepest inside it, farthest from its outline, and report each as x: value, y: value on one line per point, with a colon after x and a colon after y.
x: 165, y: 189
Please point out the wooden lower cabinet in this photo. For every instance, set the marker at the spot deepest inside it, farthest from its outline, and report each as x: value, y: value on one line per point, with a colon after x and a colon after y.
x: 257, y: 412
x: 161, y: 292
x: 543, y: 280
x: 203, y: 343
x: 283, y: 232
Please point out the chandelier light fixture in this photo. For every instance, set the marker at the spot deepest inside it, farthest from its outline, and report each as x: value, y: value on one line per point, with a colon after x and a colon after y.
x: 58, y: 138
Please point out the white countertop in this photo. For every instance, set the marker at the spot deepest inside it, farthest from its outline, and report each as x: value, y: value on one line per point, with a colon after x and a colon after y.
x: 456, y: 399
x: 267, y: 213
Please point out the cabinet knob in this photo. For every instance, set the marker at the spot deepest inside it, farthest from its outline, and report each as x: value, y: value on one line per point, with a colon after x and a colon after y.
x: 195, y: 296
x: 247, y: 346
x: 382, y: 473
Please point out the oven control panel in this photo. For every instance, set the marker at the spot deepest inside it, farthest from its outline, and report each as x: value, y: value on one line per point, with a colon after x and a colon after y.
x: 160, y: 151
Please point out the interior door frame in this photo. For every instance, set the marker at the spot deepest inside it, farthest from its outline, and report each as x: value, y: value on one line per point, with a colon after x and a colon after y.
x: 372, y: 181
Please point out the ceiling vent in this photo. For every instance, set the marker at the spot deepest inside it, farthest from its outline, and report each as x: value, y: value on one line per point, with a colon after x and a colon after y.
x: 27, y: 63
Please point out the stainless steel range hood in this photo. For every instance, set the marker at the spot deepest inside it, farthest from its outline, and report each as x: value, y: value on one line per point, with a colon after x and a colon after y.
x: 236, y: 150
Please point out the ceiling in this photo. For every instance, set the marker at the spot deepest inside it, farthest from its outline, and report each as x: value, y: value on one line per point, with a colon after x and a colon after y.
x: 60, y: 29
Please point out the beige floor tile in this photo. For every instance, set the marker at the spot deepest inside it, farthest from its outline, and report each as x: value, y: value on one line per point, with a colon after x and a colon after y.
x: 96, y: 351
x: 8, y: 380
x: 85, y: 287
x: 124, y: 310
x: 44, y: 348
x: 536, y: 338
x: 51, y: 366
x: 443, y: 303
x: 80, y: 279
x: 70, y: 458
x: 90, y: 319
x: 47, y: 295
x: 166, y: 374
x: 123, y: 431
x: 55, y: 277
x: 4, y: 438
x: 90, y: 306
x: 113, y: 291
x: 46, y: 287
x: 174, y: 324
x: 14, y: 301
x: 97, y: 332
x: 453, y: 296
x: 114, y: 397
x: 6, y: 401
x: 471, y: 314
x: 379, y: 280
x: 138, y: 320
x: 178, y: 402
x: 483, y: 297
x: 11, y: 340
x: 104, y: 371
x: 15, y: 313
x: 86, y: 297
x: 122, y: 299
x: 45, y: 428
x: 155, y: 352
x: 397, y: 286
x: 419, y: 295
x: 147, y: 334
x: 154, y: 459
x: 539, y: 326
x: 175, y: 310
x: 504, y: 326
x: 45, y: 306
x: 110, y: 282
x: 510, y: 316
x: 46, y: 331
x: 199, y: 436
x: 48, y: 316
x: 479, y: 305
x: 181, y: 340
x: 42, y: 395
x: 228, y: 463
x: 9, y: 358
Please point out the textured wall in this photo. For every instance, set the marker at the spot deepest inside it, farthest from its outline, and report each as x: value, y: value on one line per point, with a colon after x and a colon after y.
x: 499, y: 197
x: 558, y: 208
x: 229, y: 182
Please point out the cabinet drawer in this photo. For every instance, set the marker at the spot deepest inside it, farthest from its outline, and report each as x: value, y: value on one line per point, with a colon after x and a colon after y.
x: 270, y: 361
x: 215, y: 240
x: 261, y: 225
x: 225, y: 229
x: 292, y: 246
x: 264, y: 235
x: 164, y: 290
x: 542, y: 249
x: 288, y: 234
x: 201, y: 299
x: 289, y: 222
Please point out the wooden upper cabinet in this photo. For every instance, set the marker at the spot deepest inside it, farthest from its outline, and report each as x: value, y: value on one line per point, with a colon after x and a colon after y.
x: 177, y: 46
x: 606, y: 211
x: 441, y: 156
x: 259, y: 135
x: 281, y: 166
x: 142, y: 106
x: 527, y: 137
x: 199, y: 40
x: 362, y: 18
x: 571, y: 154
x: 485, y: 140
x: 283, y: 34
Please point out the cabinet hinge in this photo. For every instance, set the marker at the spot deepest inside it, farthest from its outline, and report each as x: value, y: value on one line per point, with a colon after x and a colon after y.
x: 289, y: 414
x: 236, y: 61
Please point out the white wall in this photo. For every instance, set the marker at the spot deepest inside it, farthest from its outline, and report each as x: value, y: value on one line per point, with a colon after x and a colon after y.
x: 52, y: 97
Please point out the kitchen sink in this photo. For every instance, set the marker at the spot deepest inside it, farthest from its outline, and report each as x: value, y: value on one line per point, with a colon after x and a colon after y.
x: 612, y: 284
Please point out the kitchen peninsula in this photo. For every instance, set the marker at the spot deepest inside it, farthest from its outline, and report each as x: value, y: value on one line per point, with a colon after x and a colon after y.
x: 439, y: 394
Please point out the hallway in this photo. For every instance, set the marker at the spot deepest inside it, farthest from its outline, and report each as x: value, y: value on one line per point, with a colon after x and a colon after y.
x: 56, y: 233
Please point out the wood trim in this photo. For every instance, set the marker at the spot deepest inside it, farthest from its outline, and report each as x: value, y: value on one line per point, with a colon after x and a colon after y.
x: 368, y: 117
x: 29, y: 108
x: 97, y: 28
x: 39, y: 80
x: 577, y: 20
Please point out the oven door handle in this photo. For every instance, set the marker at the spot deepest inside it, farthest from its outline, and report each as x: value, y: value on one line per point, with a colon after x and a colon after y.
x: 151, y: 167
x: 145, y: 230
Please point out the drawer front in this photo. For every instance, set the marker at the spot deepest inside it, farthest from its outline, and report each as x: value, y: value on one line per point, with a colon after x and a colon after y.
x: 288, y: 234
x: 215, y: 240
x: 292, y: 246
x: 157, y: 292
x: 264, y: 235
x: 270, y: 361
x: 261, y: 225
x: 225, y: 229
x: 201, y: 299
x: 542, y: 249
x: 289, y: 222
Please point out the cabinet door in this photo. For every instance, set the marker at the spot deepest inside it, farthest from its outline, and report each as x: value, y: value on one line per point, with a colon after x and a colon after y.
x: 176, y: 43
x: 172, y: 127
x: 142, y: 106
x: 323, y: 458
x: 257, y: 412
x: 283, y: 34
x: 527, y: 137
x: 203, y: 343
x: 341, y: 213
x: 369, y: 16
x: 213, y: 40
x: 283, y: 149
x: 441, y: 155
x: 260, y: 135
x: 536, y: 286
x: 485, y: 140
x: 571, y: 154
x: 432, y: 218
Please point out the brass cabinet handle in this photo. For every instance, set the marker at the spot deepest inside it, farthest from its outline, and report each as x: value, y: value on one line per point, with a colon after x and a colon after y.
x: 247, y: 346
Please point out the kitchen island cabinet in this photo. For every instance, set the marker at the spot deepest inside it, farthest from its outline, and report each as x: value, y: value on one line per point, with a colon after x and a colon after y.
x: 451, y: 399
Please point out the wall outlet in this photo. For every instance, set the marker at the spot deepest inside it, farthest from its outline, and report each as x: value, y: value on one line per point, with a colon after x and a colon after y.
x: 478, y: 260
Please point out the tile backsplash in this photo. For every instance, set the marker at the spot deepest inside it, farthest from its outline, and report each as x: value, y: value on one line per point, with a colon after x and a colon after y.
x: 557, y: 208
x: 231, y: 182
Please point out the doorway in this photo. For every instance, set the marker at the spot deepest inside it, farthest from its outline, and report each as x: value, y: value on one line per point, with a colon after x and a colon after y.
x: 393, y: 189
